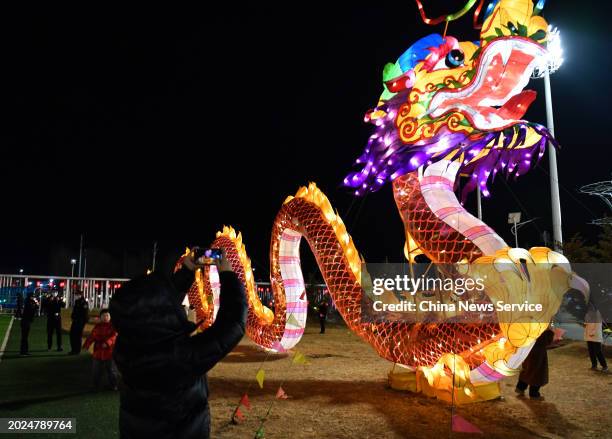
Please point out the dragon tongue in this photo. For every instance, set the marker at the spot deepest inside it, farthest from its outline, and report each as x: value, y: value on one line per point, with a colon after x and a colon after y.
x: 508, y: 114
x: 517, y: 105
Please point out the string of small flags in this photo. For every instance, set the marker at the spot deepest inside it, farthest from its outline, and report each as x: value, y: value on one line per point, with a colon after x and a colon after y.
x: 260, y: 377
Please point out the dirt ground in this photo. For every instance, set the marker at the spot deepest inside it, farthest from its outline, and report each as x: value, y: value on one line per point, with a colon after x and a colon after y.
x: 342, y: 393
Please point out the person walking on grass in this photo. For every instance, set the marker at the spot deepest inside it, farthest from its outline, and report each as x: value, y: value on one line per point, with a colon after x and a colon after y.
x: 322, y: 309
x: 54, y: 305
x: 80, y: 315
x: 593, y: 335
x: 103, y: 337
x: 19, y: 307
x: 27, y: 317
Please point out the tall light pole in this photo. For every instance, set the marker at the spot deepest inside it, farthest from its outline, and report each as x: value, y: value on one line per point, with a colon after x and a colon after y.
x: 554, y: 177
x: 154, y: 255
x: 72, y: 262
x: 85, y: 263
x: 80, y: 254
x: 550, y: 64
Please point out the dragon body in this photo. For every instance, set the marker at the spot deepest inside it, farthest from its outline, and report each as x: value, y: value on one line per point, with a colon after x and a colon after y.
x: 448, y: 109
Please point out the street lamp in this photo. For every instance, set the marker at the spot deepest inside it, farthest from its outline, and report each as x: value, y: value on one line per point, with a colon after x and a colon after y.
x: 72, y: 262
x: 550, y: 64
x: 21, y: 271
x: 514, y: 218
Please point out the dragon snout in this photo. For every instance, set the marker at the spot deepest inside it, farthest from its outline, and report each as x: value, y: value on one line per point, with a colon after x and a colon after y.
x: 495, y: 98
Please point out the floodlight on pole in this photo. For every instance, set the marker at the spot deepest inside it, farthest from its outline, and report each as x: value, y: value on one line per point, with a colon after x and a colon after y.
x: 514, y: 218
x: 553, y: 59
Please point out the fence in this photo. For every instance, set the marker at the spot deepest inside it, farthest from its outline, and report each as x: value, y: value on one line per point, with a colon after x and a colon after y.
x: 98, y: 291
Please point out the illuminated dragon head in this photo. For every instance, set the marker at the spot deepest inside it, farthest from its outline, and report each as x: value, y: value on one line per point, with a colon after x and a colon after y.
x: 461, y: 101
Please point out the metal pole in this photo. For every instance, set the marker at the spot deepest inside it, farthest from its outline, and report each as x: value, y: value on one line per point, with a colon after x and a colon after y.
x: 69, y: 291
x: 154, y: 254
x: 515, y: 234
x: 85, y: 264
x: 554, y: 178
x: 80, y: 254
x: 479, y: 202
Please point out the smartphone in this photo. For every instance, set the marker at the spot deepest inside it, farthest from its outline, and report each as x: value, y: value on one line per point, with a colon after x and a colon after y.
x: 204, y: 255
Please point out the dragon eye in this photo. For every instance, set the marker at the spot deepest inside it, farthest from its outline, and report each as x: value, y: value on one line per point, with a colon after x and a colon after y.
x: 454, y: 58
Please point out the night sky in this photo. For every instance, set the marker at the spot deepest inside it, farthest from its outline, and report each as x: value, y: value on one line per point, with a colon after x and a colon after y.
x: 144, y: 125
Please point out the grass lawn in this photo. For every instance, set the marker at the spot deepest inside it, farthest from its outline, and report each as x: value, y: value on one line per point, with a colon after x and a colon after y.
x: 54, y: 384
x: 4, y: 323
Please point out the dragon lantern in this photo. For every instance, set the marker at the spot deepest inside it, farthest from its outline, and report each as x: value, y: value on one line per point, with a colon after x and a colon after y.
x: 449, y: 108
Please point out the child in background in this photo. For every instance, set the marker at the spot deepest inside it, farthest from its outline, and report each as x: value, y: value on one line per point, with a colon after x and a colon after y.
x: 103, y: 337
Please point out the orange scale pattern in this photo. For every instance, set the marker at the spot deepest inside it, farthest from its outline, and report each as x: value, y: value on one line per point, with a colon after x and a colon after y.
x: 438, y: 241
x: 407, y: 343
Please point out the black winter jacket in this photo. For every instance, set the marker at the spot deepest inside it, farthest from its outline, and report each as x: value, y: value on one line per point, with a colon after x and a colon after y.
x: 165, y: 391
x: 29, y: 310
x: 80, y: 311
x: 53, y: 308
x: 535, y: 367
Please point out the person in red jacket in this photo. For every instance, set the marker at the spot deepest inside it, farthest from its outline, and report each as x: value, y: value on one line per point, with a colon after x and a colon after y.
x: 103, y: 337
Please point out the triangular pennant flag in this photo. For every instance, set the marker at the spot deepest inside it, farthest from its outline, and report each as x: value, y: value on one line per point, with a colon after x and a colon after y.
x: 261, y: 374
x: 259, y: 434
x: 293, y: 321
x: 238, y: 415
x: 280, y: 393
x: 303, y: 296
x: 278, y: 347
x: 460, y: 425
x: 299, y: 358
x: 245, y: 401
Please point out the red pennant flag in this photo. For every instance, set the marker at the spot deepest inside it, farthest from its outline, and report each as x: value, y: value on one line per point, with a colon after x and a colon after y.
x: 280, y: 393
x: 460, y: 425
x: 237, y: 415
x: 303, y: 296
x: 245, y: 401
